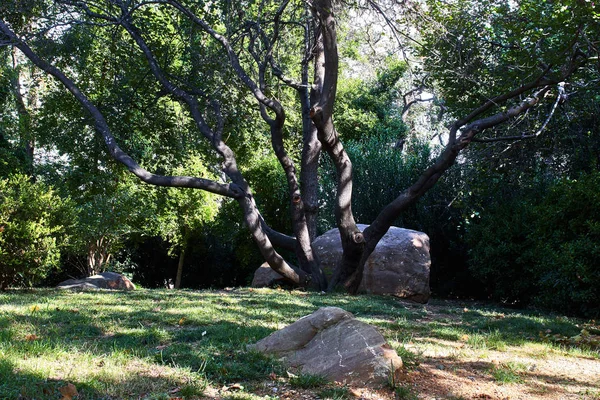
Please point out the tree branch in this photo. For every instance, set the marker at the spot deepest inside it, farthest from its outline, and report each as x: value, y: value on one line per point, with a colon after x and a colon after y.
x: 228, y: 190
x: 561, y: 93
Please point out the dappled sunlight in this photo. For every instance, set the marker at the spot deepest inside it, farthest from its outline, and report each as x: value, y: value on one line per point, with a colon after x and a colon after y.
x: 116, y: 344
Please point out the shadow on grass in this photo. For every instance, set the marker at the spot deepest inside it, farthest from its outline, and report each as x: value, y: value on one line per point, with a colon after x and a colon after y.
x: 19, y: 384
x: 200, y: 333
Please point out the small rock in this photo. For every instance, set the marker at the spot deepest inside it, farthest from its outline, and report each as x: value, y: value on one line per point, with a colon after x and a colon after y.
x: 265, y: 276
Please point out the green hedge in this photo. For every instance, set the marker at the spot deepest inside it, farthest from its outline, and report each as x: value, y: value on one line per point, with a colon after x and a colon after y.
x: 542, y: 250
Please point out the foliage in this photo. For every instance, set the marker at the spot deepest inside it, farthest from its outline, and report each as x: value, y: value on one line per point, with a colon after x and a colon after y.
x: 219, y: 254
x: 381, y: 172
x: 366, y: 109
x: 271, y: 191
x: 471, y: 52
x: 177, y: 213
x: 32, y: 223
x: 567, y: 239
x: 476, y: 50
x: 545, y: 251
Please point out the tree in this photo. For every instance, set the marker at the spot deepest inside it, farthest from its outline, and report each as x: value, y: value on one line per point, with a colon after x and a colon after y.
x: 180, y: 212
x: 32, y: 219
x: 255, y: 40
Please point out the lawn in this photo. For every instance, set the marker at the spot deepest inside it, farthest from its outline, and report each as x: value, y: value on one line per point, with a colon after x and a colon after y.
x: 162, y: 344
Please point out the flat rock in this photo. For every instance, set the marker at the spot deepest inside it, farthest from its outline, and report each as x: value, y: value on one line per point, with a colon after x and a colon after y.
x: 105, y: 280
x: 332, y: 343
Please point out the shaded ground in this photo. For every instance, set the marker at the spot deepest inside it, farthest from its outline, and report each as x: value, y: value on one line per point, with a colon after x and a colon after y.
x: 530, y: 370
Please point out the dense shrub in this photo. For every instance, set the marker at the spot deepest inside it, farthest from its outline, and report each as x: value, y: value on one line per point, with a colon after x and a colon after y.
x: 32, y: 218
x: 544, y: 252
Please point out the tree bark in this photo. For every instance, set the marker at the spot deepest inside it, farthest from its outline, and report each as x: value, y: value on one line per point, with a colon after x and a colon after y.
x: 325, y: 86
x: 311, y: 147
x: 180, y: 267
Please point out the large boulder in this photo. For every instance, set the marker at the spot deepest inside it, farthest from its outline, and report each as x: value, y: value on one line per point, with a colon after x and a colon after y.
x: 105, y: 280
x: 265, y: 276
x: 399, y: 265
x: 332, y: 343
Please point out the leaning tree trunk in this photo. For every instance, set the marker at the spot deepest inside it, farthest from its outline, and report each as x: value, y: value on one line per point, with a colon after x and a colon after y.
x: 321, y: 113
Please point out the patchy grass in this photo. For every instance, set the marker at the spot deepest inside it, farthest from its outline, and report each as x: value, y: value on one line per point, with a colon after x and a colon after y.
x: 404, y: 392
x: 335, y: 393
x: 509, y: 373
x: 154, y: 344
x: 307, y: 381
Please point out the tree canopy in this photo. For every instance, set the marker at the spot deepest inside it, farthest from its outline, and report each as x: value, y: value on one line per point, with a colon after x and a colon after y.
x: 163, y: 86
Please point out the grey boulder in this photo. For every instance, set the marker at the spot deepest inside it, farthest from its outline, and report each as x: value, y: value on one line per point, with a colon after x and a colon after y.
x: 265, y: 276
x: 399, y: 265
x: 333, y: 344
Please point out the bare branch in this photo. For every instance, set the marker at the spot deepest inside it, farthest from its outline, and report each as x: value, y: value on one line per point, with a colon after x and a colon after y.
x: 561, y: 93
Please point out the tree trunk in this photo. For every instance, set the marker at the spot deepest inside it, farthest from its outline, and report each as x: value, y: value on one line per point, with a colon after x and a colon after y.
x: 180, y: 268
x: 98, y: 256
x: 311, y: 148
x: 321, y: 113
x: 26, y: 136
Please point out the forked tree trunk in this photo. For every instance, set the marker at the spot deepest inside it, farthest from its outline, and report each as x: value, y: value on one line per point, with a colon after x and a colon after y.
x: 357, y: 246
x: 98, y: 256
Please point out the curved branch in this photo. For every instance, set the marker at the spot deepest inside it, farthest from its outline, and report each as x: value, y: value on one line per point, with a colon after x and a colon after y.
x: 228, y: 190
x: 430, y: 176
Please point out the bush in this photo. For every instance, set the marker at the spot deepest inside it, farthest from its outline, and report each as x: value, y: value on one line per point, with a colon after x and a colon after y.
x: 30, y: 223
x: 543, y: 252
x: 567, y: 236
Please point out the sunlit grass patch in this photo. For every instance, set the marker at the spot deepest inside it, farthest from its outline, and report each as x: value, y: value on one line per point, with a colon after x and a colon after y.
x: 510, y: 372
x: 335, y: 393
x: 492, y: 340
x: 410, y: 359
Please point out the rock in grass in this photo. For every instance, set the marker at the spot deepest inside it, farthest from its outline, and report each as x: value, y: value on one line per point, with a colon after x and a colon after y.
x: 105, y: 280
x: 265, y: 276
x: 399, y: 265
x: 333, y: 344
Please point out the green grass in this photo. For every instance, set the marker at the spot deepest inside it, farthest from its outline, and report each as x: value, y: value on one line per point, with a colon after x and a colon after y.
x: 508, y: 373
x: 410, y: 359
x: 166, y: 343
x: 405, y: 393
x: 307, y: 381
x: 335, y: 393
